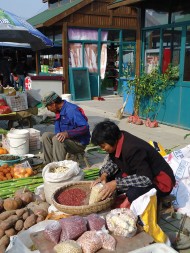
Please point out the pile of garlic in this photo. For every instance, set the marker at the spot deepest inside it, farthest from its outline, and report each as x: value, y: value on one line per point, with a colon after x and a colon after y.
x: 122, y: 222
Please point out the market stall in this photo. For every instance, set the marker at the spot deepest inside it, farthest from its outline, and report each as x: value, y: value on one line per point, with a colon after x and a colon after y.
x: 21, y: 117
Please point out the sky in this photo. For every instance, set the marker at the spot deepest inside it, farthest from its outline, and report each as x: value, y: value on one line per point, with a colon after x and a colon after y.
x: 23, y: 8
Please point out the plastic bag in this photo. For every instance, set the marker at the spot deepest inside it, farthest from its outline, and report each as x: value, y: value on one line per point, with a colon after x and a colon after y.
x: 108, y: 241
x: 72, y: 228
x: 5, y: 109
x: 68, y: 247
x: 95, y: 222
x: 2, y: 102
x: 73, y: 170
x: 53, y: 231
x: 90, y: 242
x: 122, y: 222
x: 22, y: 170
x: 95, y: 195
x: 145, y: 207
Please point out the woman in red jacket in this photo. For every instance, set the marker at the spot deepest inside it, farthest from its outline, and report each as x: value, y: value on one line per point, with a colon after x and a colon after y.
x: 133, y: 166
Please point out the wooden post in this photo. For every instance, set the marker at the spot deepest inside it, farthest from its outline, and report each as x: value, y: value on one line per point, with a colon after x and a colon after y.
x: 37, y: 63
x: 65, y: 59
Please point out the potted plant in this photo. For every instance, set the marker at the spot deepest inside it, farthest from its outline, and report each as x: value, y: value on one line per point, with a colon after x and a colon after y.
x: 149, y: 89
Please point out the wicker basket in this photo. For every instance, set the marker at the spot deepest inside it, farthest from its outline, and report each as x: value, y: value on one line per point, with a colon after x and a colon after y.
x: 85, y: 209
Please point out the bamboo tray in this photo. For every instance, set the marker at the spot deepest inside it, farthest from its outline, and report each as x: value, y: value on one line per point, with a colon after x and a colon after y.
x: 84, y: 209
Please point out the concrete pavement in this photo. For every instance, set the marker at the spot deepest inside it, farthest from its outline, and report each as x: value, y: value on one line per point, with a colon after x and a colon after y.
x: 169, y: 137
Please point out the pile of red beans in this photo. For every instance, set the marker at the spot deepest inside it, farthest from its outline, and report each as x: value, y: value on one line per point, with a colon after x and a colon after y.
x: 72, y: 197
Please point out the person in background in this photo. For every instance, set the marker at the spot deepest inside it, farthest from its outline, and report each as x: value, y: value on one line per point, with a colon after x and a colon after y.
x: 4, y: 71
x: 56, y: 64
x: 18, y: 82
x: 133, y: 166
x: 71, y: 129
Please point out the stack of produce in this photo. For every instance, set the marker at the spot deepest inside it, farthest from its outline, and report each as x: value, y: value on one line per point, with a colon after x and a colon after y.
x: 91, y: 174
x: 79, y: 234
x: 8, y: 187
x: 20, y: 212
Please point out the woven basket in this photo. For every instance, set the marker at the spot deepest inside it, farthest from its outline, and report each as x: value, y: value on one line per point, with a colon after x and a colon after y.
x: 85, y: 209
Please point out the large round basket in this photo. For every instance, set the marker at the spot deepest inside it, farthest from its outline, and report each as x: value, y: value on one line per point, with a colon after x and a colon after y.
x: 84, y: 209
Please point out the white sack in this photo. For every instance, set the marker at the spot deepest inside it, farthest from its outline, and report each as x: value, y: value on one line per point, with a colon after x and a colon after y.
x: 73, y: 170
x: 179, y: 161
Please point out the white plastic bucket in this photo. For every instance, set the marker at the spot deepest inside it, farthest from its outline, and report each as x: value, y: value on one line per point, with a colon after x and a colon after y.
x: 18, y: 140
x: 66, y: 97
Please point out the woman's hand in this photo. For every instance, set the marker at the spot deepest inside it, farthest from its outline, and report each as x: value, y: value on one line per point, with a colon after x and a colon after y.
x: 108, y: 189
x: 62, y: 136
x: 102, y: 179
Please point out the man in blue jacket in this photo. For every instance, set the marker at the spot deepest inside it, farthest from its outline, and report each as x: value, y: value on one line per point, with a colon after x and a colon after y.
x: 72, y: 132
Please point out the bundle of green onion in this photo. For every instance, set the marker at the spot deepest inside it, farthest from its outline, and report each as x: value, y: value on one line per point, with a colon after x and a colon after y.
x: 8, y: 187
x: 91, y: 174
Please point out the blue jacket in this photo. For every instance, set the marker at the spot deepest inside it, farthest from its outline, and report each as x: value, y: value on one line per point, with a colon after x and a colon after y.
x: 74, y: 122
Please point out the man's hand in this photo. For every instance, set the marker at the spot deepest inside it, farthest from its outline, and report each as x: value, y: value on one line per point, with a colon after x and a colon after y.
x: 108, y: 189
x: 62, y: 136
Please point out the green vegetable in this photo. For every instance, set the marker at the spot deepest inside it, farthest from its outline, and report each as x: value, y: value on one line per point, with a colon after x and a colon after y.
x: 8, y: 187
x: 91, y: 174
x: 3, y: 131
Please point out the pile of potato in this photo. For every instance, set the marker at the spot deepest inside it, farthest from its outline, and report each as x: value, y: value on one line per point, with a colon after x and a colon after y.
x: 20, y: 213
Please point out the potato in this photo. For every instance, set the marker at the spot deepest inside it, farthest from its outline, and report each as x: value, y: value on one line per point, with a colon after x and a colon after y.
x: 25, y: 215
x: 9, y: 222
x: 6, y: 214
x: 40, y: 212
x: 39, y: 219
x: 27, y: 197
x: 20, y: 212
x: 30, y: 221
x: 42, y: 205
x: 4, y: 241
x: 10, y: 232
x: 1, y: 204
x: 2, y: 248
x: 19, y: 192
x: 12, y: 203
x: 19, y: 225
x: 2, y: 233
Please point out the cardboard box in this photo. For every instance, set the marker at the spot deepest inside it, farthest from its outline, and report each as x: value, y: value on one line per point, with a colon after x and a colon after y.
x: 34, y: 139
x: 18, y: 102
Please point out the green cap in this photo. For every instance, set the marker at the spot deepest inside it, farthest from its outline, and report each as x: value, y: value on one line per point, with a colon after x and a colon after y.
x: 49, y: 98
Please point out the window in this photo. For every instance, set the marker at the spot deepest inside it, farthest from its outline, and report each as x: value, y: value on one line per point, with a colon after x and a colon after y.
x: 154, y: 18
x: 171, y: 48
x: 152, y: 39
x: 187, y: 56
x: 113, y: 35
x: 181, y: 16
x: 129, y: 35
